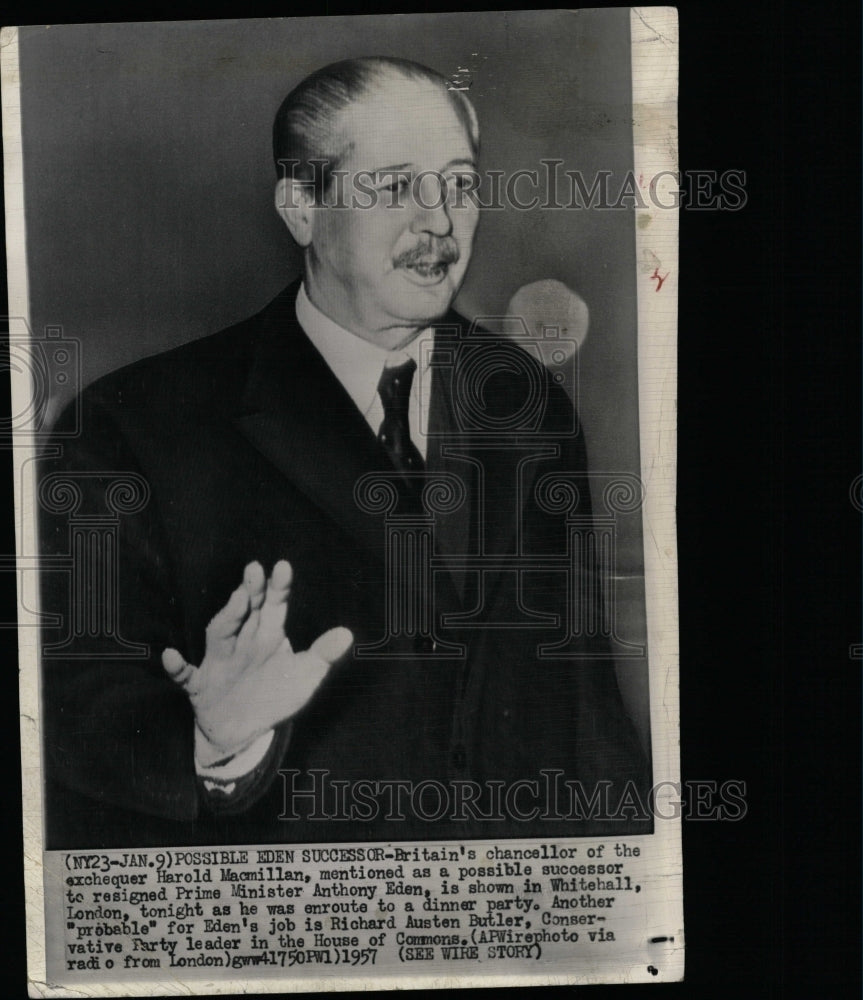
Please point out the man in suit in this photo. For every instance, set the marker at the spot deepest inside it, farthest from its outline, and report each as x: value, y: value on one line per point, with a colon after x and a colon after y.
x: 267, y: 455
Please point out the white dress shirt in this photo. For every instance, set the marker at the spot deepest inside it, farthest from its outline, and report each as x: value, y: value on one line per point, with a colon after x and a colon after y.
x: 357, y: 364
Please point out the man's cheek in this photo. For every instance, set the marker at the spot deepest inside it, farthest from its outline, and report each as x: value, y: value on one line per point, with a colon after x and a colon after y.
x: 464, y: 230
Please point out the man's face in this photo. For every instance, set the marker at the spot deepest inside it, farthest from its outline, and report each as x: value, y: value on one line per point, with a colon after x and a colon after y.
x: 387, y: 270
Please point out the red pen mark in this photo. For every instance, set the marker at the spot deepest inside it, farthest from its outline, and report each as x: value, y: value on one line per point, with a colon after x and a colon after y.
x: 658, y: 278
x: 641, y: 180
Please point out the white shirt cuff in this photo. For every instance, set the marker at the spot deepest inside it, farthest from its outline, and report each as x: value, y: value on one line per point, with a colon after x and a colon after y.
x: 224, y: 774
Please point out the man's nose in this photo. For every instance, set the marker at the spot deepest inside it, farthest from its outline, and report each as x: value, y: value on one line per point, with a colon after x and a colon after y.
x: 430, y: 207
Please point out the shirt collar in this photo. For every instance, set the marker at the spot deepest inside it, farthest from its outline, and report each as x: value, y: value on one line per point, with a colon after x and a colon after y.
x: 356, y: 363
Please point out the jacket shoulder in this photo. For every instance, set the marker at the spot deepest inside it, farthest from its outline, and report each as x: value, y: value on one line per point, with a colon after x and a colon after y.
x: 202, y: 375
x: 203, y: 366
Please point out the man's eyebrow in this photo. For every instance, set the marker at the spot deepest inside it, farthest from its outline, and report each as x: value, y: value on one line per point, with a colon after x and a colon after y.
x: 396, y: 167
x: 400, y: 167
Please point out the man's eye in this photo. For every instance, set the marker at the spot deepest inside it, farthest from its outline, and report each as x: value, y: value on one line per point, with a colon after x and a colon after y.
x: 464, y: 180
x: 399, y: 184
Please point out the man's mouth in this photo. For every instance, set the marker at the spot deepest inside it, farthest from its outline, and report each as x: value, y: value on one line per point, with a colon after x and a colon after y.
x: 429, y: 267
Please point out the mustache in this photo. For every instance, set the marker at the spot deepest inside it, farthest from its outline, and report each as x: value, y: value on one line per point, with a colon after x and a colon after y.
x: 442, y: 251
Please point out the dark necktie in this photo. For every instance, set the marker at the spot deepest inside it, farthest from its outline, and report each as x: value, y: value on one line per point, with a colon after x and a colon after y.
x: 394, y: 389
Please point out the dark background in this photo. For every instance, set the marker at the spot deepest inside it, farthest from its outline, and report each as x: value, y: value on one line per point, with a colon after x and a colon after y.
x: 769, y: 444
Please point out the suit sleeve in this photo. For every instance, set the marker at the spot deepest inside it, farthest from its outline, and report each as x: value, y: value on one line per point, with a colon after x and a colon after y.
x: 116, y: 728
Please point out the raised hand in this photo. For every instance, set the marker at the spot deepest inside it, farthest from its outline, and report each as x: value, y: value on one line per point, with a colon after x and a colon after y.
x: 250, y: 679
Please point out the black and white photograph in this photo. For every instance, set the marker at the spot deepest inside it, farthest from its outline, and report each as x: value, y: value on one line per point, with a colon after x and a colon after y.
x: 344, y: 385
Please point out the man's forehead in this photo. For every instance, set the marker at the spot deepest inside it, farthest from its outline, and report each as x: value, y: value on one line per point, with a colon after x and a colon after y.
x: 404, y: 121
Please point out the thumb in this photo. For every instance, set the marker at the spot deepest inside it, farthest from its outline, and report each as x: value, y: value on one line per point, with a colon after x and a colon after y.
x: 332, y: 645
x: 176, y: 667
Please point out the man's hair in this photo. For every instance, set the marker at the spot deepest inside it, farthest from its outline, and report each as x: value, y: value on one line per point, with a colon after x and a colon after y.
x: 304, y: 131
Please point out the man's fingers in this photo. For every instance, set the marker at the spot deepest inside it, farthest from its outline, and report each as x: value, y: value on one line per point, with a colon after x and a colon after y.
x: 280, y: 582
x: 332, y: 645
x: 255, y: 580
x: 250, y: 628
x: 176, y: 667
x: 227, y: 621
x: 275, y: 606
x: 223, y: 629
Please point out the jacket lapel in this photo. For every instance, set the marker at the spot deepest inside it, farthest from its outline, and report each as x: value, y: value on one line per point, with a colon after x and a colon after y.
x: 453, y: 530
x: 296, y: 413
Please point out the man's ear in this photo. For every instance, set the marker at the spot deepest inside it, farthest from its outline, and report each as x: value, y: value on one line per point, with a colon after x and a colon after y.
x: 295, y: 204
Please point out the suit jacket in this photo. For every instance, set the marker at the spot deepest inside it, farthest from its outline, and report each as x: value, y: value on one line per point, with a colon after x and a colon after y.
x: 249, y: 448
